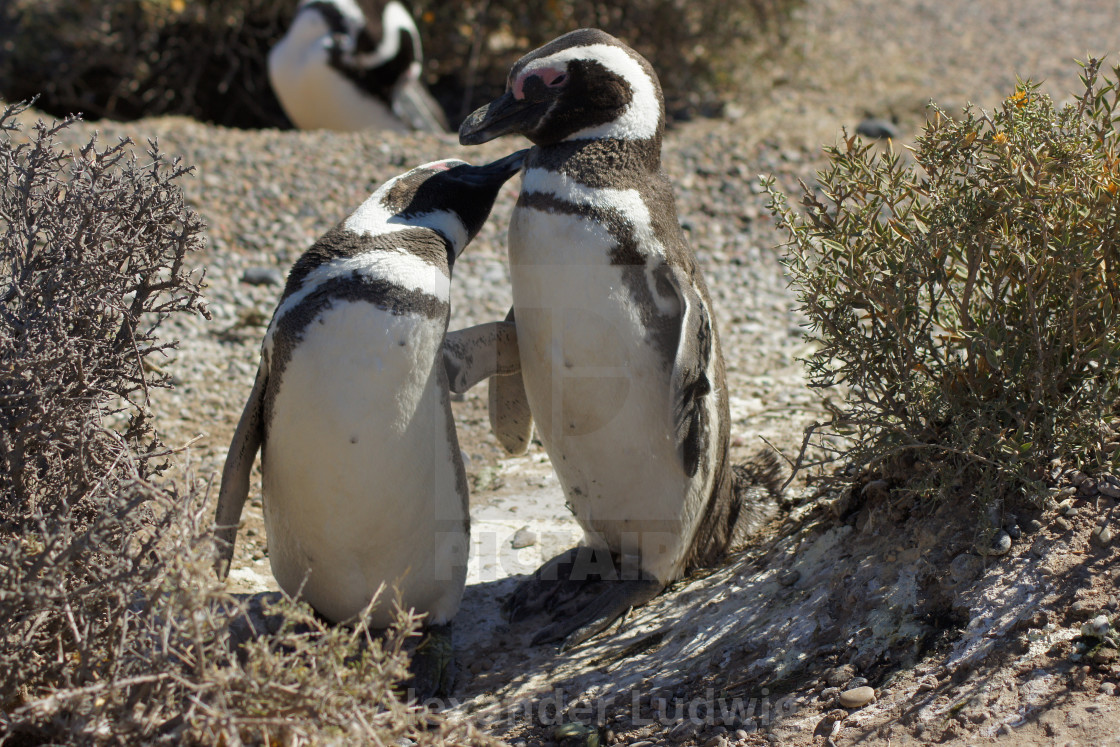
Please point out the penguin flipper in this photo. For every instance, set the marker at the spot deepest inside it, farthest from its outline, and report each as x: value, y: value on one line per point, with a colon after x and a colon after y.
x: 511, y: 421
x: 479, y: 352
x: 235, y: 474
x: 414, y: 106
x: 690, y: 383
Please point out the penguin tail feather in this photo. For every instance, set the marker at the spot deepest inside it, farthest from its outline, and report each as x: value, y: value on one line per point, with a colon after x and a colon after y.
x: 757, y: 486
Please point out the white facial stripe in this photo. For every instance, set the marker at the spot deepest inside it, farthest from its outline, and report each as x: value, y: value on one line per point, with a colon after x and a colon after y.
x: 402, y: 269
x: 393, y: 20
x: 641, y: 119
x: 444, y: 222
x: 374, y: 219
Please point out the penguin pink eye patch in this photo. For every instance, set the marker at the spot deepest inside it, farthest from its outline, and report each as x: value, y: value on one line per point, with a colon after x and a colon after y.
x: 553, y: 77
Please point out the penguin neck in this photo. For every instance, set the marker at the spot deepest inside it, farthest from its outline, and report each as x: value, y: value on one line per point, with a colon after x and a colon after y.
x: 592, y: 162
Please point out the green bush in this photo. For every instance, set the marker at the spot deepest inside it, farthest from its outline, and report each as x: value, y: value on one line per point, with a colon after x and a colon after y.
x: 966, y: 305
x: 207, y: 59
x: 112, y: 627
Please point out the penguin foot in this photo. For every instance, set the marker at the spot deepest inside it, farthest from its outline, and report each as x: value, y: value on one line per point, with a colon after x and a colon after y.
x: 433, y: 664
x: 553, y: 585
x: 582, y: 592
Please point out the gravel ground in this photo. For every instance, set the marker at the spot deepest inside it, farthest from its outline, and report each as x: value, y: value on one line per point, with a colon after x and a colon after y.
x: 825, y: 597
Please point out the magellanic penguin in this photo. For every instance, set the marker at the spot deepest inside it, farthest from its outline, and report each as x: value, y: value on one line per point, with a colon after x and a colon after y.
x: 620, y: 360
x: 353, y: 65
x: 363, y: 481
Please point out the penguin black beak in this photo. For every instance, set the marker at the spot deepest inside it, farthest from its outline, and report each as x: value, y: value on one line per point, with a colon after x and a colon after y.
x: 502, y: 116
x: 493, y: 173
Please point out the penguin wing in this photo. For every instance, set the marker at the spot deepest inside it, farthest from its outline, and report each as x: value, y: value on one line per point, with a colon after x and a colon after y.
x: 479, y: 352
x: 414, y: 106
x: 510, y: 418
x: 490, y: 351
x: 689, y: 382
x: 235, y: 475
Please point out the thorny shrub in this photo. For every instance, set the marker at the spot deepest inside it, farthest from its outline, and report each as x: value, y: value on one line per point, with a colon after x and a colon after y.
x: 208, y: 58
x: 966, y: 305
x: 112, y: 628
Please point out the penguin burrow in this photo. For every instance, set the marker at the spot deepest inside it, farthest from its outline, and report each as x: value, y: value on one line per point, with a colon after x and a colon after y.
x: 621, y: 368
x: 363, y: 481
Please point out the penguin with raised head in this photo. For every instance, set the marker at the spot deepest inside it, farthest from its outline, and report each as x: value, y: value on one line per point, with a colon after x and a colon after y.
x: 621, y: 367
x: 353, y: 65
x: 363, y: 480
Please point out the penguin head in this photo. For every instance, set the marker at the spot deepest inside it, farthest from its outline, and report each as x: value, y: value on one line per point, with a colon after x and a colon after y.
x: 585, y: 85
x: 450, y: 197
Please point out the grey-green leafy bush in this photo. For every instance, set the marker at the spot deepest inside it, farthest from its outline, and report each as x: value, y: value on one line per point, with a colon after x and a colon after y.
x: 207, y: 58
x: 112, y: 627
x: 965, y: 304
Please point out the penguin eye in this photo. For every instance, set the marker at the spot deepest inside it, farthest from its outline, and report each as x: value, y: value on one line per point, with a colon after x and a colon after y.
x: 558, y: 81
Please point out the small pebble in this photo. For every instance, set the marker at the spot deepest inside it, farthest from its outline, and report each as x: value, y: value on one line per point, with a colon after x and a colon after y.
x: 1034, y: 525
x: 686, y: 728
x: 523, y: 537
x: 857, y: 697
x: 857, y: 682
x: 1108, y: 688
x: 789, y: 578
x: 717, y: 741
x: 830, y: 693
x: 965, y: 567
x: 1098, y: 627
x: 1083, y: 609
x: 1102, y: 535
x: 839, y: 676
x: 1066, y: 507
x: 1062, y: 524
x: 880, y: 129
x: 1001, y: 545
x: 1108, y: 490
x: 262, y: 276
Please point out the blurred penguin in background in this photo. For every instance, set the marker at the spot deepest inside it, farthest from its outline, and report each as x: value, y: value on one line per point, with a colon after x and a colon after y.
x: 353, y: 65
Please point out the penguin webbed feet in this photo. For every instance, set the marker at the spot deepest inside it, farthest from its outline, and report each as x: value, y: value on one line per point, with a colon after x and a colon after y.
x: 581, y: 596
x: 433, y: 664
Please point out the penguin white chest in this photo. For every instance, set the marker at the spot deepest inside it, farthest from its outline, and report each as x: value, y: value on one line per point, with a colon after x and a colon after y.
x: 598, y: 384
x: 362, y: 474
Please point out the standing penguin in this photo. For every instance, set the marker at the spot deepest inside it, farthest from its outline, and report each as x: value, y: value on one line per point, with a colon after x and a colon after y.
x: 353, y: 65
x: 621, y: 366
x: 363, y: 480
